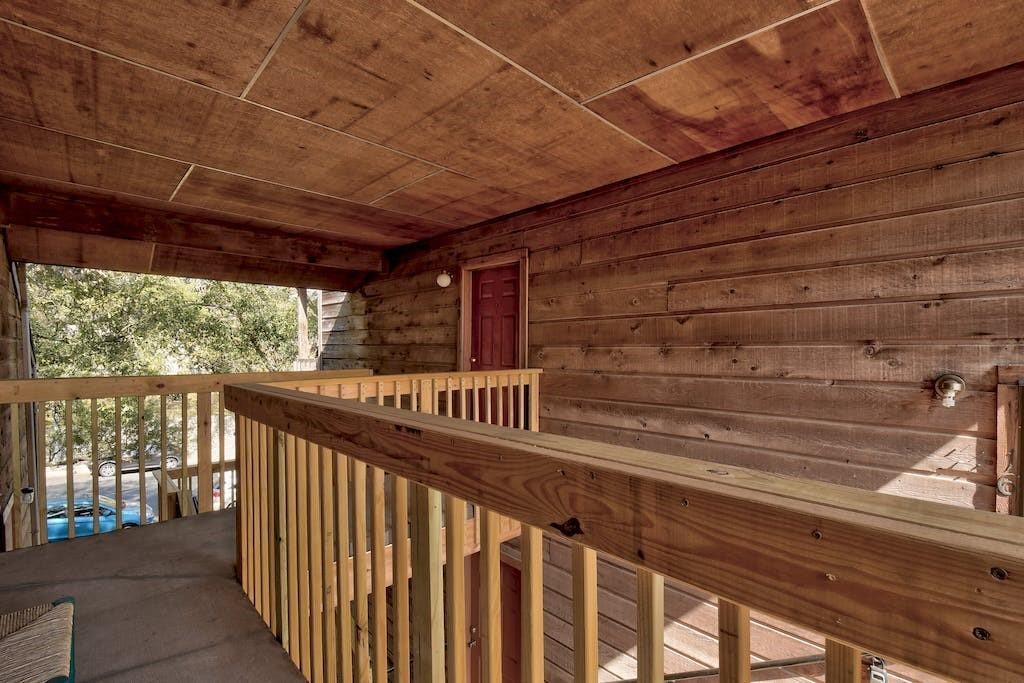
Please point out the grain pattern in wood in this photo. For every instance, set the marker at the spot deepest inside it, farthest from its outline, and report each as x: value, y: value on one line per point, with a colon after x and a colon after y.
x: 941, y: 538
x: 930, y: 43
x: 588, y: 49
x: 817, y: 66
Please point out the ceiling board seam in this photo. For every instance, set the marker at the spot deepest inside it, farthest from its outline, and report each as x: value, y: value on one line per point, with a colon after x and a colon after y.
x: 188, y: 172
x: 213, y: 168
x: 203, y: 86
x: 882, y: 59
x: 690, y: 58
x: 409, y: 184
x: 334, y: 235
x: 508, y: 60
x: 294, y: 19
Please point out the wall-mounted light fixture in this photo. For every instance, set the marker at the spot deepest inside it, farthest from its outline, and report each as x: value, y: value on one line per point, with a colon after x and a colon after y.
x: 444, y: 278
x: 947, y: 387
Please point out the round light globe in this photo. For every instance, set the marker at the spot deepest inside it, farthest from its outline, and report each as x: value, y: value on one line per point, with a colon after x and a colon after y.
x: 444, y: 279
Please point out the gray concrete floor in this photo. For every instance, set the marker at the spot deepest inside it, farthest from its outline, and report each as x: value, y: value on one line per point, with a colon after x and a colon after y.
x: 154, y: 604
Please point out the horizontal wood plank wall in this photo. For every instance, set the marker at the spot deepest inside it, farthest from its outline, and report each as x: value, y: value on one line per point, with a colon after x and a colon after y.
x: 16, y: 465
x: 784, y: 306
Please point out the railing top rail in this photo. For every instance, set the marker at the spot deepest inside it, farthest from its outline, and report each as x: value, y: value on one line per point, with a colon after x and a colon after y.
x: 933, y: 585
x: 69, y: 388
x: 414, y: 377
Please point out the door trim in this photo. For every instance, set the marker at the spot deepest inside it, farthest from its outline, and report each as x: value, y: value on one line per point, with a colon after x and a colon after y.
x: 520, y: 256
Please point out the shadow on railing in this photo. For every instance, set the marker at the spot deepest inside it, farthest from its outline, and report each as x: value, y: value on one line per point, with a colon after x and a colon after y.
x: 123, y: 451
x: 931, y: 585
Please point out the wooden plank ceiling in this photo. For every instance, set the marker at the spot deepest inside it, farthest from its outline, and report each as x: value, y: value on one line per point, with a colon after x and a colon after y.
x: 369, y: 124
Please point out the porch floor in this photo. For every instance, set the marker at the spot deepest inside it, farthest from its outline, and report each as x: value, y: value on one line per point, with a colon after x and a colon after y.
x: 157, y: 604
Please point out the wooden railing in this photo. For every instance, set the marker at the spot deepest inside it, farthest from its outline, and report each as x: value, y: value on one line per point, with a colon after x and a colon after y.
x: 930, y: 585
x: 184, y: 436
x: 303, y: 507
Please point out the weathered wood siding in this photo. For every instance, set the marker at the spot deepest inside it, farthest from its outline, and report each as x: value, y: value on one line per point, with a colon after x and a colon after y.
x: 12, y: 360
x: 785, y: 306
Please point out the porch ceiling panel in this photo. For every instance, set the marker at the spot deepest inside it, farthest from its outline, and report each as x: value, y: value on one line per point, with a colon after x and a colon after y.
x: 384, y: 122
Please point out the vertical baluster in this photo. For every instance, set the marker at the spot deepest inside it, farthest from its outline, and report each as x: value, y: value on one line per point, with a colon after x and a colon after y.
x: 842, y: 663
x: 316, y: 575
x: 521, y: 399
x: 220, y: 451
x: 94, y: 440
x: 427, y: 403
x: 398, y: 394
x: 380, y: 393
x: 487, y: 399
x: 531, y: 546
x: 69, y: 466
x: 41, y: 505
x: 279, y: 557
x: 733, y: 642
x: 245, y: 537
x: 266, y: 541
x: 291, y: 534
x: 490, y: 595
x: 240, y: 525
x: 462, y: 397
x: 254, y: 510
x: 532, y: 594
x: 185, y: 486
x: 448, y: 396
x: 359, y: 573
x: 455, y: 587
x: 414, y: 396
x: 164, y: 513
x: 427, y: 608
x: 499, y: 417
x: 141, y: 401
x: 330, y: 587
x: 204, y: 450
x: 379, y: 625
x: 650, y: 651
x: 343, y: 568
x: 118, y: 444
x: 476, y: 399
x: 302, y: 506
x: 400, y: 576
x: 535, y: 402
x: 584, y: 611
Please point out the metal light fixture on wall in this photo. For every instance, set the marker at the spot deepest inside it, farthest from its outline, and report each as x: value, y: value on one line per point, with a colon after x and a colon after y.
x: 444, y: 279
x: 947, y: 386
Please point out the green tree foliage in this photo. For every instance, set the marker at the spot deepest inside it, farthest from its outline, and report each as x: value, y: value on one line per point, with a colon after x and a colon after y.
x: 102, y: 323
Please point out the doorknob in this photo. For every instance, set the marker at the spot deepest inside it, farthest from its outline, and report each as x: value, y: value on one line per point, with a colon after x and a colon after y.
x: 472, y: 360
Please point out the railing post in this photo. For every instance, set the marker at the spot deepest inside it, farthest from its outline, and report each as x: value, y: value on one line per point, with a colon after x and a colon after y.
x: 531, y: 546
x: 733, y: 642
x: 427, y: 607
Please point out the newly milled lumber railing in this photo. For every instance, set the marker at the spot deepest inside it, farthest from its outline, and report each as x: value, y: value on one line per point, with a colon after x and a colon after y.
x: 177, y: 427
x: 934, y: 586
x: 304, y: 507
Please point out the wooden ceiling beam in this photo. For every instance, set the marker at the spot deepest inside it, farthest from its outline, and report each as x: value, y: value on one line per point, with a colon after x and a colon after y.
x: 111, y: 217
x: 64, y: 248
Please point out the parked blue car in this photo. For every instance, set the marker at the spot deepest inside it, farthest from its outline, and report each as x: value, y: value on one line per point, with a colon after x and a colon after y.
x: 57, y: 517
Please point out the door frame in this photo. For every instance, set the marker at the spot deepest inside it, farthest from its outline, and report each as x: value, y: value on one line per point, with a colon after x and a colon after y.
x: 466, y: 268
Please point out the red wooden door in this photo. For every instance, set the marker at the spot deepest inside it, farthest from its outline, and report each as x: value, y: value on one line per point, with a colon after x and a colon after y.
x: 495, y: 311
